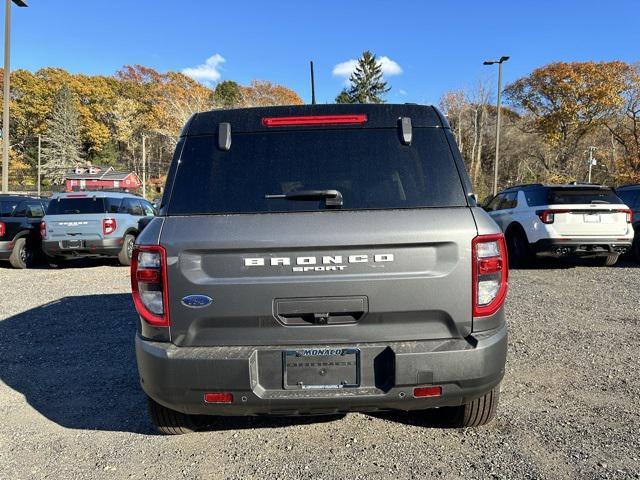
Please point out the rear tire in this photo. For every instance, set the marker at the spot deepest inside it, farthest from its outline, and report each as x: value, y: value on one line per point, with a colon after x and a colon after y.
x: 22, y: 254
x: 124, y: 257
x: 477, y: 412
x: 518, y: 248
x: 170, y: 422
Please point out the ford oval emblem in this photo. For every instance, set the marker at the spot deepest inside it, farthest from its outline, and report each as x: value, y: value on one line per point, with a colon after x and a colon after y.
x: 196, y: 301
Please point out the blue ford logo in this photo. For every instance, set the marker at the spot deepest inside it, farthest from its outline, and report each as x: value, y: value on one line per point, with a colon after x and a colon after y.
x: 196, y: 301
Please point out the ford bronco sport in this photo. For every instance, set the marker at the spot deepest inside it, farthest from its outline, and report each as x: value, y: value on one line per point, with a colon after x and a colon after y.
x: 319, y: 259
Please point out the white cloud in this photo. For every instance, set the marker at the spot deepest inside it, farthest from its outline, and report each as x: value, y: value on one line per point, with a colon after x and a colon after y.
x: 402, y: 92
x: 345, y: 69
x: 208, y: 72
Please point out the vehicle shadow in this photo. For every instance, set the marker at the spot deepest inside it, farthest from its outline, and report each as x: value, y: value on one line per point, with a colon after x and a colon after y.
x: 74, y: 361
x: 568, y: 263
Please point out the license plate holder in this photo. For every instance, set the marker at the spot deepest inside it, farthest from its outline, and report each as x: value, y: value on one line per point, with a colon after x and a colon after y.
x: 71, y: 244
x: 321, y: 368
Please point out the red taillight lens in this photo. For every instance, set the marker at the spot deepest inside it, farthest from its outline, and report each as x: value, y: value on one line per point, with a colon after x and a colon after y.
x: 149, y: 284
x: 490, y: 274
x: 314, y: 120
x: 43, y: 230
x: 218, y: 397
x: 433, y: 391
x: 547, y: 216
x: 3, y: 229
x: 108, y: 226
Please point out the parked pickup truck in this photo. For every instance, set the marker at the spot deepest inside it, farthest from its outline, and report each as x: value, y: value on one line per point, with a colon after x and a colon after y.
x: 20, y: 229
x: 319, y: 259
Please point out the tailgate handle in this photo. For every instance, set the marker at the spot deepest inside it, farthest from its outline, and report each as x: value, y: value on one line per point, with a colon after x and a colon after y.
x: 320, y: 311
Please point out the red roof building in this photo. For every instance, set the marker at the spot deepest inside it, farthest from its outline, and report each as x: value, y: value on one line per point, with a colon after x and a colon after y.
x: 100, y: 178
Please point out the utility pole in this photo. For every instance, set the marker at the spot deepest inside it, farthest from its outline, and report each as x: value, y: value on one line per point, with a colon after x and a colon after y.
x: 6, y: 92
x: 591, y: 162
x: 496, y: 163
x: 39, y: 162
x: 144, y: 166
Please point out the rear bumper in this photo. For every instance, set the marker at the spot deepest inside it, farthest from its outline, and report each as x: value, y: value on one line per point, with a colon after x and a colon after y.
x: 178, y: 377
x: 109, y: 247
x: 585, y: 247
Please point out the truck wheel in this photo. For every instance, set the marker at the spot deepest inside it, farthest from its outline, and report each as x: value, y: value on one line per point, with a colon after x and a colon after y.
x: 518, y: 248
x: 124, y: 257
x: 22, y: 254
x: 478, y: 412
x: 170, y: 422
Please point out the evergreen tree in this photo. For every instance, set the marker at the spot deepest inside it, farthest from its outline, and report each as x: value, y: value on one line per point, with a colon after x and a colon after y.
x: 367, y: 85
x: 62, y: 148
x: 227, y: 94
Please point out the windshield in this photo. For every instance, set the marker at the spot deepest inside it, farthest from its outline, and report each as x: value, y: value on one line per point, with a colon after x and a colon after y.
x: 75, y: 206
x: 370, y: 168
x: 576, y: 196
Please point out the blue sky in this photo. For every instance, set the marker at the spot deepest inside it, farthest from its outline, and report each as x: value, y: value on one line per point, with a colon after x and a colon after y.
x: 431, y: 46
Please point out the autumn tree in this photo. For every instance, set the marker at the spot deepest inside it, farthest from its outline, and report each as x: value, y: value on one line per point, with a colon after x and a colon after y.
x: 563, y: 102
x: 63, y: 144
x: 227, y: 94
x: 261, y: 93
x: 366, y: 82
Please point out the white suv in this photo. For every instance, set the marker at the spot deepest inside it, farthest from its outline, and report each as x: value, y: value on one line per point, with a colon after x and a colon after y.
x: 562, y: 220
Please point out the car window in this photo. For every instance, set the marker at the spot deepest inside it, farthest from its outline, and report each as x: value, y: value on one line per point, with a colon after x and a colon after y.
x: 495, y: 201
x: 132, y: 207
x: 369, y: 167
x: 7, y: 207
x: 148, y: 209
x: 580, y: 196
x: 20, y: 210
x: 536, y: 197
x: 510, y: 201
x: 75, y: 206
x: 113, y: 204
x: 35, y: 210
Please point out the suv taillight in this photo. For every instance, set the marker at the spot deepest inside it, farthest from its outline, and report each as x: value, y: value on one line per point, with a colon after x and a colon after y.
x: 547, y: 216
x: 108, y: 226
x: 490, y: 274
x: 43, y: 230
x: 629, y: 213
x: 149, y: 284
x: 3, y: 229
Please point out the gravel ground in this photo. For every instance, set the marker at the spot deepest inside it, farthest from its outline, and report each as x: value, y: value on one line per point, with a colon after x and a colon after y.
x: 71, y: 408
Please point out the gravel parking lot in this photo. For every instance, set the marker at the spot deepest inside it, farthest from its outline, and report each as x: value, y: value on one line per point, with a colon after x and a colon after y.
x: 71, y: 407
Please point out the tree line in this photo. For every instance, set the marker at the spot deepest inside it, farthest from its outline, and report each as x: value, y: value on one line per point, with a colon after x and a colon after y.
x: 100, y: 120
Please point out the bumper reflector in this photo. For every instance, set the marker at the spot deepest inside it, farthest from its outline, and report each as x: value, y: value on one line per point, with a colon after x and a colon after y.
x: 433, y: 391
x: 218, y: 397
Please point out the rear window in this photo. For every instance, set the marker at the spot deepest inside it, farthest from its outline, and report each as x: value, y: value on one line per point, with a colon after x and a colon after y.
x: 575, y: 196
x: 76, y: 206
x: 369, y: 167
x: 6, y: 208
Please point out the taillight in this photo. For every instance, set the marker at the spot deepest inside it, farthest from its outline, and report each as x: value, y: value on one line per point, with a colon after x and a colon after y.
x: 3, y: 229
x: 149, y: 284
x: 43, y: 230
x: 108, y: 226
x: 490, y: 274
x: 547, y: 216
x: 629, y: 213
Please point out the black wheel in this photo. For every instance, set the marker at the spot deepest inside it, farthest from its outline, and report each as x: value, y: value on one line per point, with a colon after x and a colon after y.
x: 477, y: 412
x: 518, y: 248
x: 124, y: 257
x: 22, y: 254
x: 170, y: 422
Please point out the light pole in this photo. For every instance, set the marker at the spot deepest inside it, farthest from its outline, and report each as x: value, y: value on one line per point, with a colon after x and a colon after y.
x: 495, y: 165
x: 5, y: 99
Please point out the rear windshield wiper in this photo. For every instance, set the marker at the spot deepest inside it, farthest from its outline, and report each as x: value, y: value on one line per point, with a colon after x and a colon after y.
x: 332, y: 198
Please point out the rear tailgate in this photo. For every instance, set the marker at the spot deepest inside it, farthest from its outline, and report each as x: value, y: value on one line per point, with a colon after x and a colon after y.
x: 361, y: 276
x: 590, y: 221
x: 74, y: 227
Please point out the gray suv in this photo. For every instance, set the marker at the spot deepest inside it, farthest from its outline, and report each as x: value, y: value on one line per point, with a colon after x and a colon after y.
x: 92, y: 224
x: 319, y: 259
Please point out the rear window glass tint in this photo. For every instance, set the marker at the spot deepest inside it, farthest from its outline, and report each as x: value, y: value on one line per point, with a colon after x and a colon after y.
x: 370, y: 167
x: 630, y: 198
x: 576, y: 196
x: 113, y: 204
x: 76, y: 206
x: 7, y: 207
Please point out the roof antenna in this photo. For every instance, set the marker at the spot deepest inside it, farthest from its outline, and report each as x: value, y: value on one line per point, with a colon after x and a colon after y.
x: 313, y: 86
